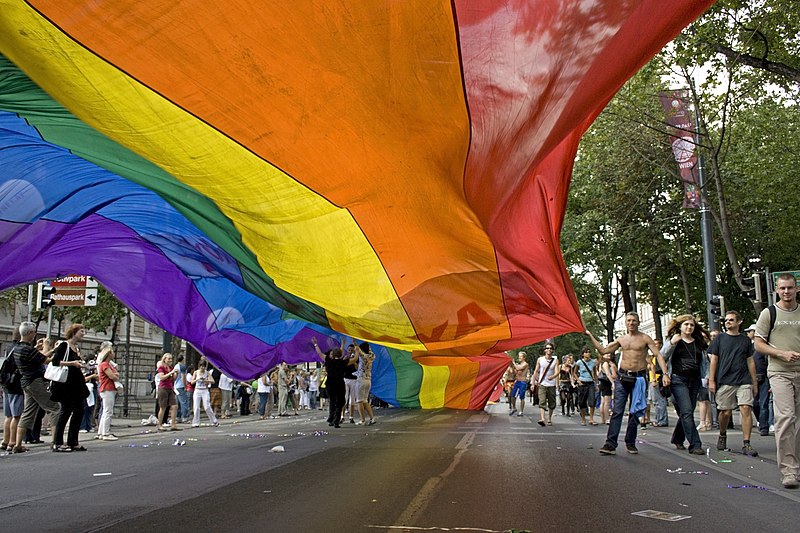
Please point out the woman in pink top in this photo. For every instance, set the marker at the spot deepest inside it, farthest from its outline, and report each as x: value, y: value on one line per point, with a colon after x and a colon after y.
x: 166, y: 392
x: 107, y: 371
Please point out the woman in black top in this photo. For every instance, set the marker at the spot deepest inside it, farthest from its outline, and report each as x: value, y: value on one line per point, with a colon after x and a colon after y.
x: 70, y: 394
x: 685, y: 351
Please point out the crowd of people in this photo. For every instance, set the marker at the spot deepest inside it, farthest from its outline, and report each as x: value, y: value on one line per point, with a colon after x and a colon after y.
x: 755, y: 370
x: 36, y: 402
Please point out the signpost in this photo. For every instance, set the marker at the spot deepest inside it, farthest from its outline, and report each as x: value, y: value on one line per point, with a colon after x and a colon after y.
x: 71, y: 290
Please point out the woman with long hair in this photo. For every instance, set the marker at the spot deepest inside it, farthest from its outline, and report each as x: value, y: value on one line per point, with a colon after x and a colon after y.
x: 202, y: 380
x: 684, y: 351
x: 71, y: 394
x: 166, y: 393
x: 606, y: 378
x: 108, y: 376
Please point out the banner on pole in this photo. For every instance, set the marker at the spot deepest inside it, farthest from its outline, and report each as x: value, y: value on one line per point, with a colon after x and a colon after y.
x: 682, y: 140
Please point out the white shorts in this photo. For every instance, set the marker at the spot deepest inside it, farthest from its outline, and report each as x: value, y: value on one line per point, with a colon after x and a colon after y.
x: 364, y: 386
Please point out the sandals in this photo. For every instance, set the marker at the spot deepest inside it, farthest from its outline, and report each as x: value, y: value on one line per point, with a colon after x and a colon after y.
x: 62, y: 449
x: 18, y: 449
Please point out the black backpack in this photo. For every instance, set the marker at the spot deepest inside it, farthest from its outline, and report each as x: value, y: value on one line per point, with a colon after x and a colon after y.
x: 10, y: 376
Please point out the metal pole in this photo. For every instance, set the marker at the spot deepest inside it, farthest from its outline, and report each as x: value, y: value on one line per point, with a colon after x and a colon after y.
x: 127, y: 361
x: 49, y: 321
x: 30, y: 301
x: 709, y: 261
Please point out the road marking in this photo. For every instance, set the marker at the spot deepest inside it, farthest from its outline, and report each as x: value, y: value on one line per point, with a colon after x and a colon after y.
x: 426, y: 493
x: 64, y: 491
x: 437, y: 528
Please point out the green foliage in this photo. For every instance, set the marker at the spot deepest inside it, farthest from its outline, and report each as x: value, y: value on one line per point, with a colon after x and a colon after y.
x: 624, y: 212
x: 104, y: 317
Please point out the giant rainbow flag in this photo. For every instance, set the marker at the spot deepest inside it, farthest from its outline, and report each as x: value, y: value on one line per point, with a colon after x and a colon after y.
x: 248, y: 175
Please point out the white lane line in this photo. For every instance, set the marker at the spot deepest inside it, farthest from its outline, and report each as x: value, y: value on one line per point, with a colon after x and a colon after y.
x: 437, y: 528
x: 420, y: 502
x: 64, y: 491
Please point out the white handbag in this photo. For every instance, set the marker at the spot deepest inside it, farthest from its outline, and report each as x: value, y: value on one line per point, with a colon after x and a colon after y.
x: 57, y: 373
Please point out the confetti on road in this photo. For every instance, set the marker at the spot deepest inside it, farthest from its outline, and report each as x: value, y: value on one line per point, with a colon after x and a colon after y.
x: 277, y: 449
x: 748, y: 487
x: 100, y: 474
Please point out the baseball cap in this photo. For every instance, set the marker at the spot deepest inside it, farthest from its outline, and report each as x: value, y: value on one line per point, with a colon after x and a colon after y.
x: 751, y: 327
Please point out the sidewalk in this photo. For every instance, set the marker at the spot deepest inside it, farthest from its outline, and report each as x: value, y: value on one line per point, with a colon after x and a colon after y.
x: 131, y: 428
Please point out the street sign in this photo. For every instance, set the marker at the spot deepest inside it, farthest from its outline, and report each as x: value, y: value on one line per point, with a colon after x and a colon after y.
x: 795, y: 273
x: 75, y: 297
x: 72, y: 290
x: 74, y: 281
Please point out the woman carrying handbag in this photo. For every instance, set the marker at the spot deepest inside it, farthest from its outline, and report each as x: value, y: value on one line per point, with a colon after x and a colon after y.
x: 72, y: 393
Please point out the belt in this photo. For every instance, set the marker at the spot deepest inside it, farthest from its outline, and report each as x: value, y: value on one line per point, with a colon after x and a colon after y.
x: 637, y: 373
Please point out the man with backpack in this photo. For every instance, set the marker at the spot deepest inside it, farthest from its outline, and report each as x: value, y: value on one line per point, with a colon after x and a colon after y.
x: 778, y: 337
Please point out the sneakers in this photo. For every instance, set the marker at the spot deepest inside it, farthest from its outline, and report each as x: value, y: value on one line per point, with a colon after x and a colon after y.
x: 352, y: 421
x: 371, y: 422
x: 722, y: 442
x: 359, y: 423
x: 764, y: 433
x: 511, y: 413
x: 608, y: 450
x: 790, y: 482
x: 749, y: 451
x: 519, y: 414
x: 109, y: 437
x: 632, y: 449
x: 697, y: 451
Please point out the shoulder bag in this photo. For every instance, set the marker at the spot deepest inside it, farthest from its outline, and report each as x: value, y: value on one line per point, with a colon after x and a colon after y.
x: 57, y: 373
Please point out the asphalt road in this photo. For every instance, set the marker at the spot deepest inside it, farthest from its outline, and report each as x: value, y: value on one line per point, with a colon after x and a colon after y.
x: 414, y: 470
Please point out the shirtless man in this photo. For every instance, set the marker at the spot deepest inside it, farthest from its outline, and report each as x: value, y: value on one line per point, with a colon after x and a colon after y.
x: 632, y: 376
x: 520, y: 384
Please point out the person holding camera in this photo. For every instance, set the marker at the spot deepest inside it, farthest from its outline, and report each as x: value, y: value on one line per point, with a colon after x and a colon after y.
x: 166, y: 393
x: 202, y: 380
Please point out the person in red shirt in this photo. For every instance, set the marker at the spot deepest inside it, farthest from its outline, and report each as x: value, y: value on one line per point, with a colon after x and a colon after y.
x: 166, y: 392
x: 108, y: 376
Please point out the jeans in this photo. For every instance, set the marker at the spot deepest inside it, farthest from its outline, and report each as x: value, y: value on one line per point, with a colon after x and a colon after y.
x: 761, y: 407
x: 684, y: 397
x: 183, y: 403
x: 265, y: 403
x: 660, y: 404
x: 622, y: 392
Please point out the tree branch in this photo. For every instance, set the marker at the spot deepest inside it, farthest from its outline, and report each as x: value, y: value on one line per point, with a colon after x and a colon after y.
x: 780, y: 69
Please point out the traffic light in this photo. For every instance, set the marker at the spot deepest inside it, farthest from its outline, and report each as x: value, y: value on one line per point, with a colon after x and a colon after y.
x: 46, y: 296
x: 717, y: 305
x: 754, y: 291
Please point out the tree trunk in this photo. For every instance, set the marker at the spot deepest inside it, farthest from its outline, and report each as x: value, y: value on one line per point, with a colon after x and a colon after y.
x: 625, y: 289
x: 610, y: 308
x: 655, y: 303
